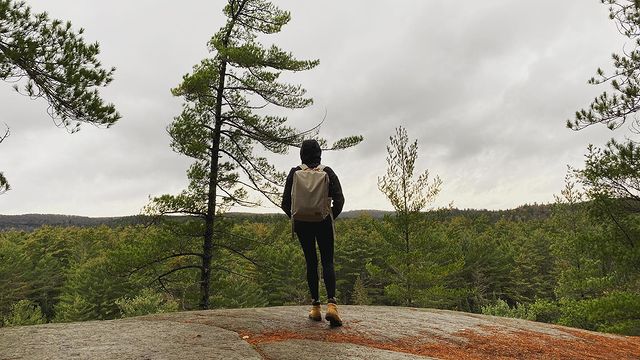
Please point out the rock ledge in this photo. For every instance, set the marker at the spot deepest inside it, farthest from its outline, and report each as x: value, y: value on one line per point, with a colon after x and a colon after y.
x: 369, y: 332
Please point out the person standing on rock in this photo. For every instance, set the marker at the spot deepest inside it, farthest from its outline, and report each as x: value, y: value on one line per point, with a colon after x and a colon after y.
x: 313, y: 198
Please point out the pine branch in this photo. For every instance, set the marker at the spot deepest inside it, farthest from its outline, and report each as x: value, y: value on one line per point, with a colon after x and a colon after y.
x: 157, y: 261
x: 237, y: 252
x: 177, y: 269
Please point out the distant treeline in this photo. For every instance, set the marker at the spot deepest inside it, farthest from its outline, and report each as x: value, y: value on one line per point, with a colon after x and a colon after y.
x: 30, y: 222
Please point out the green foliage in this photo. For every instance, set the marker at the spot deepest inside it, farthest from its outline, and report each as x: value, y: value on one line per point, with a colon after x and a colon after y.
x: 360, y: 295
x: 74, y: 307
x: 617, y: 312
x: 148, y: 301
x: 24, y: 312
x: 355, y: 246
x: 49, y: 258
x: 58, y: 66
x: 408, y: 197
x: 593, y: 255
x: 547, y: 311
x: 487, y: 262
x: 501, y: 308
x: 282, y: 274
x: 533, y: 265
x: 611, y: 176
x: 237, y: 292
x: 57, y: 63
x: 14, y: 266
x: 421, y: 275
x: 540, y: 310
x: 148, y: 255
x: 91, y: 293
x: 613, y: 109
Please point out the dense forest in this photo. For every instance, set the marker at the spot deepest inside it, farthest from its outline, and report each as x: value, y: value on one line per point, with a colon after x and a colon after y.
x: 566, y: 263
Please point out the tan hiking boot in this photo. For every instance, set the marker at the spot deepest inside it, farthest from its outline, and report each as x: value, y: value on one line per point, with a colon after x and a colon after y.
x: 315, y: 313
x: 332, y: 315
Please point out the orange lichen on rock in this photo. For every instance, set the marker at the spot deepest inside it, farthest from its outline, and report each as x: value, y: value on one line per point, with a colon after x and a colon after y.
x: 495, y: 343
x: 491, y: 343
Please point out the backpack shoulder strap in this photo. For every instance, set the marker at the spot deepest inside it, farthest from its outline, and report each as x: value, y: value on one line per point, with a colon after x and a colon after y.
x: 303, y: 167
x: 320, y: 167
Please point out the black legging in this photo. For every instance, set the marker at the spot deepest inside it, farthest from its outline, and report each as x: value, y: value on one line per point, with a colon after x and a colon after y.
x: 308, y: 233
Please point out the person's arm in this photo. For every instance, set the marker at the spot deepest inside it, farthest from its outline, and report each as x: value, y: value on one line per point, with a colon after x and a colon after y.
x: 335, y: 192
x: 286, y: 194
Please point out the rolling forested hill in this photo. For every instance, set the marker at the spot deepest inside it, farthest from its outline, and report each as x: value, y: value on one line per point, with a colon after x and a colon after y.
x: 29, y: 222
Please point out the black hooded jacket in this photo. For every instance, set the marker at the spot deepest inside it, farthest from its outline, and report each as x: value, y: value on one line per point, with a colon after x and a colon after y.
x: 310, y: 154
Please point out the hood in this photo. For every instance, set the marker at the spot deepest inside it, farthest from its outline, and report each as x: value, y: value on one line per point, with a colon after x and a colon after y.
x: 310, y: 152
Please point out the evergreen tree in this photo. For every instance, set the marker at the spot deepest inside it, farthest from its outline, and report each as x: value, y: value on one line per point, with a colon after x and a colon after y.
x: 615, y: 109
x: 49, y: 255
x: 359, y: 238
x: 281, y: 275
x: 613, y: 171
x: 15, y: 283
x: 148, y: 301
x: 408, y: 197
x: 360, y: 295
x: 486, y: 263
x: 91, y: 291
x: 74, y: 307
x: 222, y: 123
x: 239, y: 292
x: 611, y: 175
x: 25, y: 312
x: 579, y: 270
x: 533, y: 265
x: 56, y: 64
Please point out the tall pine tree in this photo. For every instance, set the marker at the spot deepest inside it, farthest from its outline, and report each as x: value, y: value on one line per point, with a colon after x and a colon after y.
x: 611, y: 175
x: 408, y: 196
x: 614, y: 171
x: 224, y: 129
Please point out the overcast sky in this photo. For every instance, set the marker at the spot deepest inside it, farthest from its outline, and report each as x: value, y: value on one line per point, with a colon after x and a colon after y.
x: 484, y: 86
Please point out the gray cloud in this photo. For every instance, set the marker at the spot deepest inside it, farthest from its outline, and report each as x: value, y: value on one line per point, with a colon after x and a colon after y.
x: 485, y: 87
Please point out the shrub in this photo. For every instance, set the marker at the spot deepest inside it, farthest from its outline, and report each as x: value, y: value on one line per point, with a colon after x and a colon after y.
x: 24, y: 312
x: 237, y: 293
x: 616, y: 312
x: 147, y: 302
x: 360, y: 295
x: 501, y: 308
x: 73, y: 307
x: 544, y: 311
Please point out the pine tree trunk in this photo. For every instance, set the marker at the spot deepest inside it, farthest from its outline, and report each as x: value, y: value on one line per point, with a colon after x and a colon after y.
x: 407, y: 261
x: 207, y: 246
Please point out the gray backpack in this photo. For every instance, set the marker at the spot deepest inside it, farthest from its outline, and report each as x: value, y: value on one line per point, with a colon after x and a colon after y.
x: 310, y: 194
